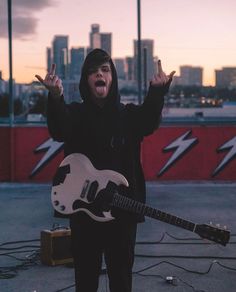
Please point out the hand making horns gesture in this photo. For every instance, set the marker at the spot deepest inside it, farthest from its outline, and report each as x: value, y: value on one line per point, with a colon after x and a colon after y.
x: 161, y: 79
x: 52, y: 82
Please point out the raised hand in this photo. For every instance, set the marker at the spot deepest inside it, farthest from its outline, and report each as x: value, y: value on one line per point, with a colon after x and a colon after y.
x: 52, y: 82
x: 161, y: 79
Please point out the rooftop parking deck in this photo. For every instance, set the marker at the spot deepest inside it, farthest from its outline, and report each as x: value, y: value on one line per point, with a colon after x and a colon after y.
x: 162, y: 249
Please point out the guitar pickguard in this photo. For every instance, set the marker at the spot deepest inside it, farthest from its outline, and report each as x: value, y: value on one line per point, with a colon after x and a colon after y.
x: 78, y: 186
x: 61, y: 174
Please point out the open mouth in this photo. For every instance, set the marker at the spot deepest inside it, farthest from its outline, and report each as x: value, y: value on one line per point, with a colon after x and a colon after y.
x: 100, y: 83
x: 100, y: 88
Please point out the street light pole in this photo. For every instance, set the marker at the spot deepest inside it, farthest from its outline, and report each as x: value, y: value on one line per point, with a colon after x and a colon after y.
x: 145, y: 71
x: 11, y: 99
x: 139, y: 67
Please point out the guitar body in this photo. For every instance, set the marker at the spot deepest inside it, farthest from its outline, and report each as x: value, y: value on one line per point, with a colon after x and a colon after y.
x: 77, y: 186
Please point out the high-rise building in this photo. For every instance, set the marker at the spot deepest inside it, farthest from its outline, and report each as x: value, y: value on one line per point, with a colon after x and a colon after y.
x: 95, y: 27
x: 60, y: 55
x: 129, y: 68
x: 2, y: 84
x: 77, y: 60
x: 99, y: 40
x: 191, y: 76
x: 226, y: 77
x: 106, y: 40
x: 147, y: 49
x: 49, y: 58
x: 95, y: 37
x: 120, y: 67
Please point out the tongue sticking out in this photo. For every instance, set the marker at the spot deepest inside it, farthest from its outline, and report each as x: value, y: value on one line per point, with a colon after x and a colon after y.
x: 101, y: 90
x: 100, y: 87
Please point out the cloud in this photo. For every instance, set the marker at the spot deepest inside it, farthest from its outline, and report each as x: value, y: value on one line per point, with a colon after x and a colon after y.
x: 24, y: 21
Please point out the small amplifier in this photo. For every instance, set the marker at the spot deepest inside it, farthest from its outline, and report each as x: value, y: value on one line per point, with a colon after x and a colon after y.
x: 55, y: 247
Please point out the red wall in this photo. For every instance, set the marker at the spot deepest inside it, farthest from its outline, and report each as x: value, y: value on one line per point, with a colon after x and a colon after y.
x: 4, y: 153
x: 27, y: 139
x: 197, y: 163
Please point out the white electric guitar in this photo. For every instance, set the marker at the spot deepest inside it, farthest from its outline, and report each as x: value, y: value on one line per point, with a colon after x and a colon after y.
x: 79, y: 187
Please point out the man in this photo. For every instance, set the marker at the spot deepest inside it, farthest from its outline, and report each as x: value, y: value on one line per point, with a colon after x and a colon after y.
x: 110, y: 135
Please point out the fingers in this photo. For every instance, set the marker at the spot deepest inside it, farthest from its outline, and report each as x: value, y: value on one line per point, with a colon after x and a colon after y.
x: 160, y: 71
x: 54, y: 79
x: 52, y: 82
x: 52, y: 70
x: 59, y: 82
x: 59, y: 85
x: 161, y: 79
x: 172, y: 74
x: 159, y: 67
x: 40, y: 79
x: 50, y: 77
x: 162, y: 75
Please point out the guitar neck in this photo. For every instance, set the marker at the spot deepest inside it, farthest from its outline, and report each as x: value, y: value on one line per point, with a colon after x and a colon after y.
x: 142, y: 209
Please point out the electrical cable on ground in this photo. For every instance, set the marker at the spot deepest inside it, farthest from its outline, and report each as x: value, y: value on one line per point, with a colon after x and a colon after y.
x: 33, y: 258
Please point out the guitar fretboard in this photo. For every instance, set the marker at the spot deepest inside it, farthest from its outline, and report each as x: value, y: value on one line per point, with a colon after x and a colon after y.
x: 142, y: 209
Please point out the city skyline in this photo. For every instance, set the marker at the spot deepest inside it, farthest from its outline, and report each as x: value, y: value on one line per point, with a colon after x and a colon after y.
x: 197, y: 34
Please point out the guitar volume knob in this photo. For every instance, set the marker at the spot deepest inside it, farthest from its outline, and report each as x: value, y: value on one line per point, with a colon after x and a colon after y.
x: 62, y: 208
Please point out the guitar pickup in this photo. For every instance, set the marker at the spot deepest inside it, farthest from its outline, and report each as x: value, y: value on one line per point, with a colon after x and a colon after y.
x: 92, y: 191
x: 85, y: 188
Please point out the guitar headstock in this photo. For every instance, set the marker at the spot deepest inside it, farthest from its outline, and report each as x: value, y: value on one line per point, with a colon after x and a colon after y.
x: 213, y: 233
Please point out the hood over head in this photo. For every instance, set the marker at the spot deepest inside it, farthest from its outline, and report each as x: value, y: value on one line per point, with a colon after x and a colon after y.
x: 94, y: 59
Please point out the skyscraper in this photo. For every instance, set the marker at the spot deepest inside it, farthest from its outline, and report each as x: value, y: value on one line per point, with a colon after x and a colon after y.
x: 60, y: 55
x: 77, y: 60
x: 106, y: 39
x: 120, y: 67
x: 95, y: 37
x: 191, y: 76
x: 129, y: 63
x: 99, y: 40
x: 226, y: 77
x: 148, y: 44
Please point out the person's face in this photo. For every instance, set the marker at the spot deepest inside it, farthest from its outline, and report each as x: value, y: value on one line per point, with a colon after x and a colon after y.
x: 99, y: 80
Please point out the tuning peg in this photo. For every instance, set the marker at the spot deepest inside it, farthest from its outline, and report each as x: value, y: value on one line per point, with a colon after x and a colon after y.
x: 210, y: 223
x: 217, y: 225
x: 225, y: 227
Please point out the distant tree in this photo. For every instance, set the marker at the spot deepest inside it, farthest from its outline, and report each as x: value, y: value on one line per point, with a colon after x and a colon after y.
x: 18, y: 107
x: 206, y: 91
x: 40, y: 104
x: 4, y: 106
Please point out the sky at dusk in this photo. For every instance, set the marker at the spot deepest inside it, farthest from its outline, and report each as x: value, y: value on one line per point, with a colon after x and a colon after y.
x: 185, y: 32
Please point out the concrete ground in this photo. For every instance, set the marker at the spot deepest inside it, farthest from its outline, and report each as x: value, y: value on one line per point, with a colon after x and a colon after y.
x: 162, y: 250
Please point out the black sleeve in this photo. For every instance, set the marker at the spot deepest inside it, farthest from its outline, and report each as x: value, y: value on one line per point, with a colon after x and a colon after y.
x: 58, y: 118
x: 146, y: 118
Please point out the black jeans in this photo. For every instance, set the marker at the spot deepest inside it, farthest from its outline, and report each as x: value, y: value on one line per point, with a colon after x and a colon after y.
x: 92, y: 239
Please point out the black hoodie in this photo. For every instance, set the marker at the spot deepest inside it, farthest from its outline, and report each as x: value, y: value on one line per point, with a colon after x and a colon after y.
x: 110, y: 136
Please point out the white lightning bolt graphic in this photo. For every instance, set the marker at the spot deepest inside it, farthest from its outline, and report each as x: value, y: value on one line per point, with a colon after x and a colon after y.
x: 230, y: 156
x: 181, y: 147
x: 52, y: 147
